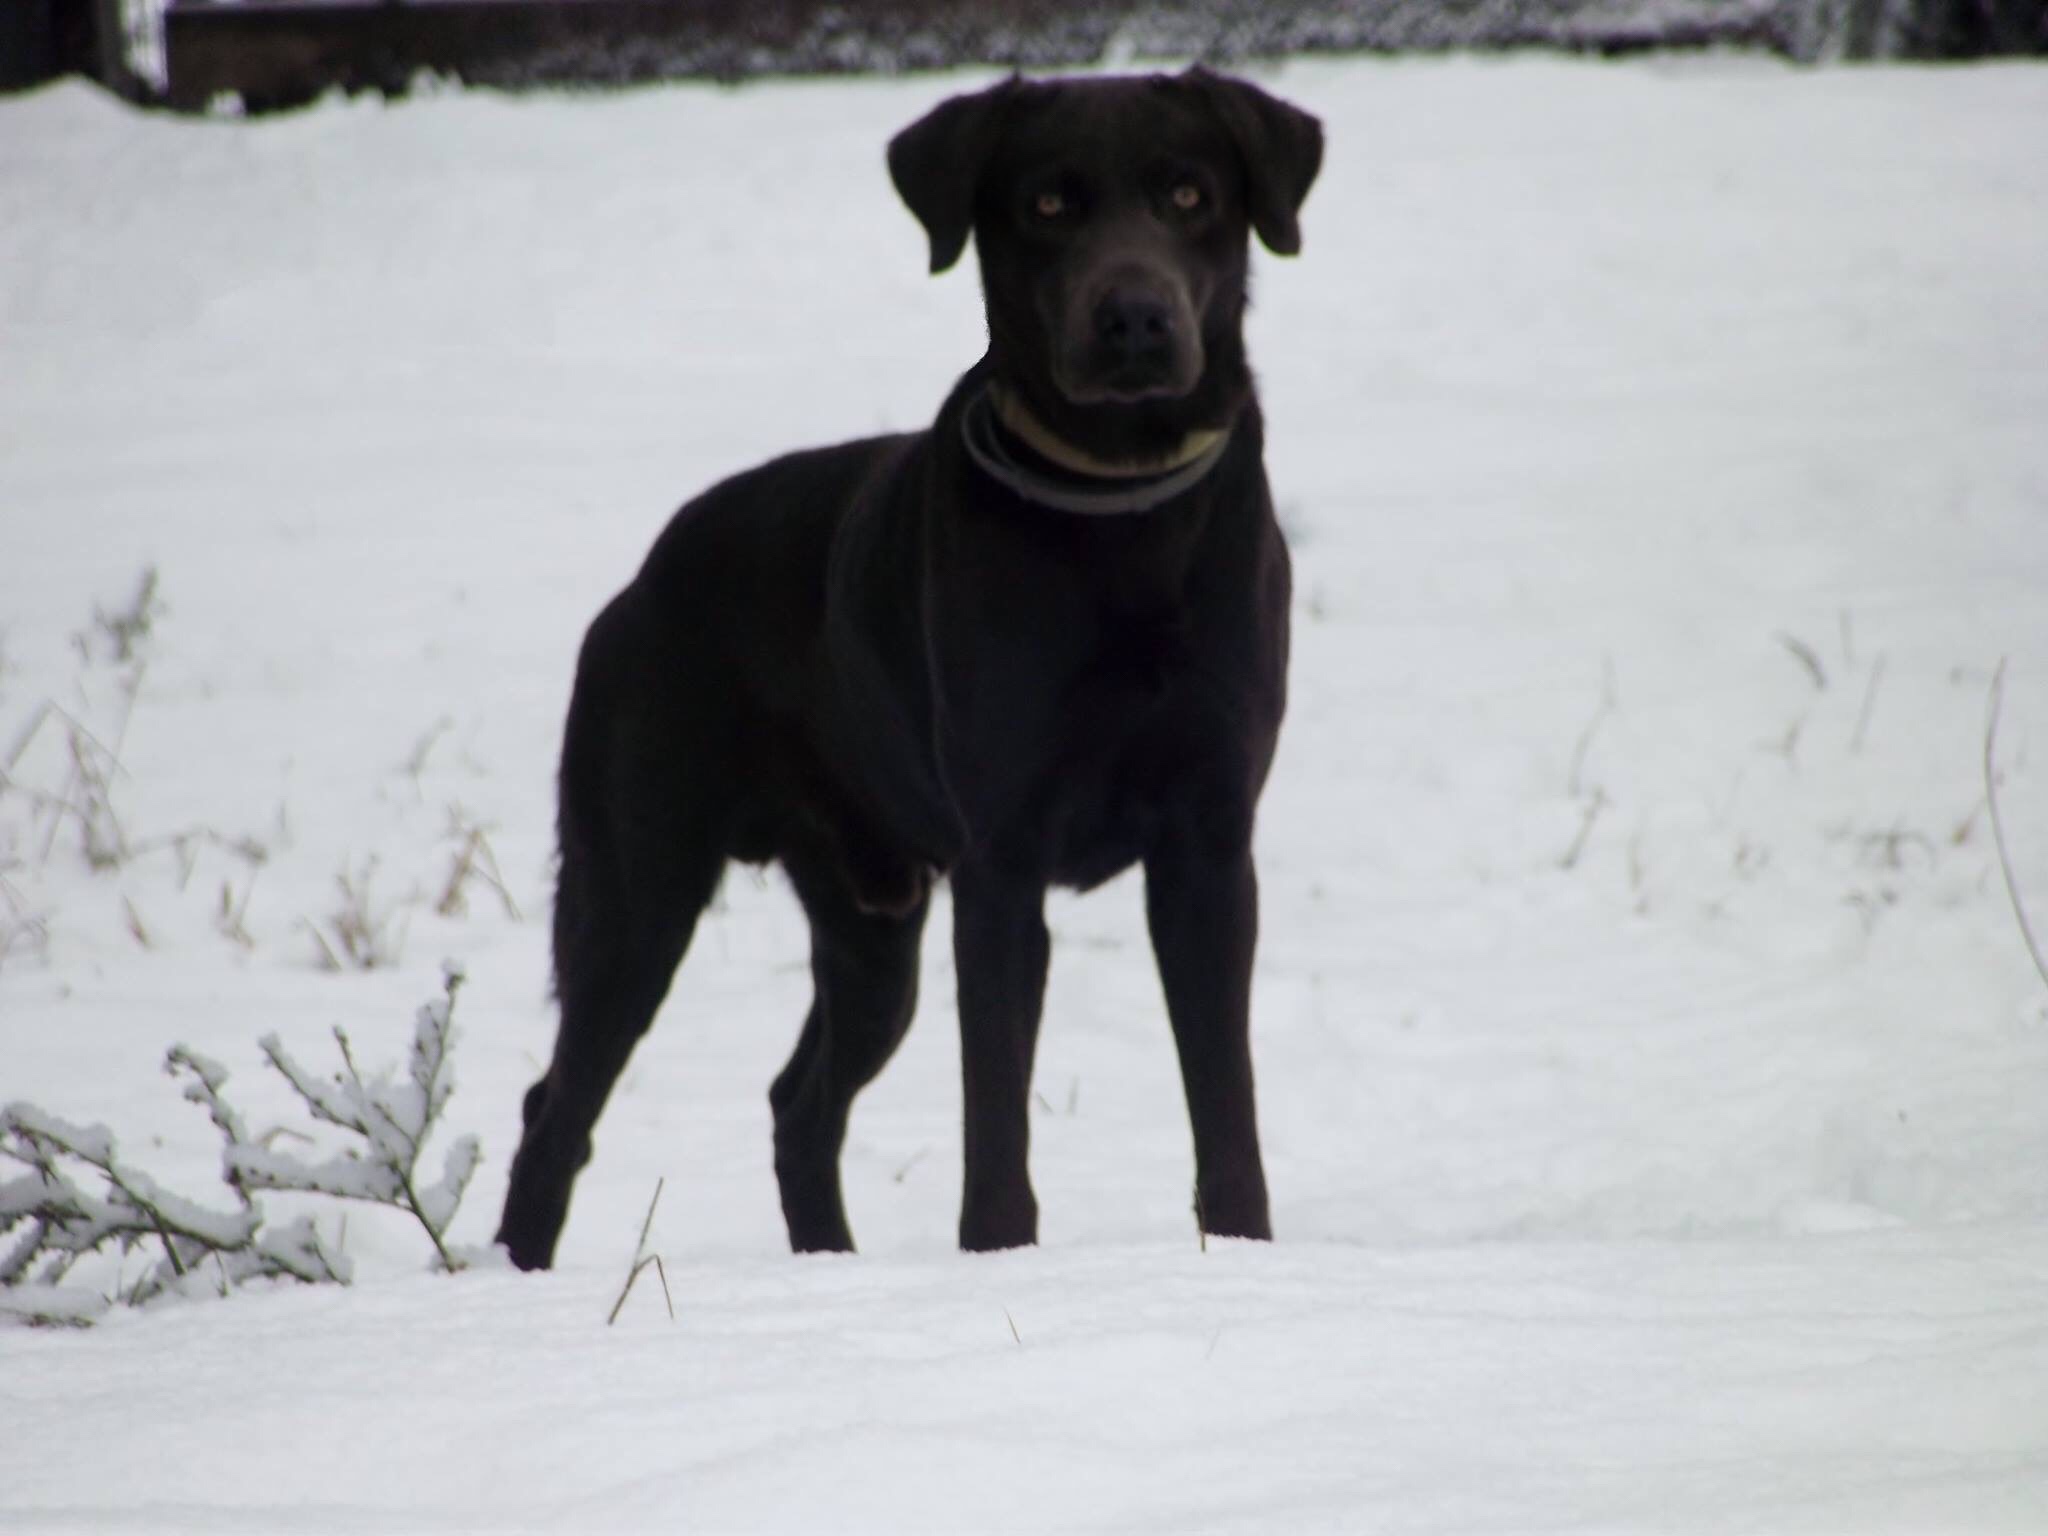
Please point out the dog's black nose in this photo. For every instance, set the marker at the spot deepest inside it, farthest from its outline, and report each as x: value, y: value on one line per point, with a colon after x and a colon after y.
x: 1133, y: 325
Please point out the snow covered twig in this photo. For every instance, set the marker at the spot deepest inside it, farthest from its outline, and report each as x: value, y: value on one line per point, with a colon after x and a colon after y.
x: 50, y: 1218
x: 65, y: 1221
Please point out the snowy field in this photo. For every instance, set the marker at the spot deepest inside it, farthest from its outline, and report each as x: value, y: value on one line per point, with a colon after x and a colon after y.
x: 1654, y: 1083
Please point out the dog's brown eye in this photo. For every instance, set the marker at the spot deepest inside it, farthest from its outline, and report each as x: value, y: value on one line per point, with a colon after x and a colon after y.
x: 1187, y: 197
x: 1050, y: 205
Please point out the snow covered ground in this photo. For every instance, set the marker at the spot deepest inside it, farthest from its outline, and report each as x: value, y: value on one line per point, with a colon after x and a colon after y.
x: 1655, y: 1086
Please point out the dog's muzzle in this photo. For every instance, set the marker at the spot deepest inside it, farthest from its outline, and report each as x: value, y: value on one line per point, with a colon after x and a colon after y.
x: 1131, y: 335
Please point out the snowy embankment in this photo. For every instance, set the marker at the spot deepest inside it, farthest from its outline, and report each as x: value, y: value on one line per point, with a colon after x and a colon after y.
x: 1655, y: 1088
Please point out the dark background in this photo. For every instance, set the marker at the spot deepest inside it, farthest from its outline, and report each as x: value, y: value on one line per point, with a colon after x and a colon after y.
x: 276, y: 53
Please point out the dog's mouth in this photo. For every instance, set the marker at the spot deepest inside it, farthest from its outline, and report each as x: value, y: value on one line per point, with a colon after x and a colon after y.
x: 1124, y: 387
x: 1090, y: 373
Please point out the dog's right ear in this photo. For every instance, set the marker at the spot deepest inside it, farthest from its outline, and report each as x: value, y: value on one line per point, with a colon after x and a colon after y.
x: 937, y: 160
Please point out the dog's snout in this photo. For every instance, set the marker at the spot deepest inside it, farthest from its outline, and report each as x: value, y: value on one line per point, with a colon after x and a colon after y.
x: 1133, y: 336
x: 1134, y: 325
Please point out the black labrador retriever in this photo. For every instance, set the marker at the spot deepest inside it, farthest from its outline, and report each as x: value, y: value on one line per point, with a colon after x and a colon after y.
x: 1036, y: 644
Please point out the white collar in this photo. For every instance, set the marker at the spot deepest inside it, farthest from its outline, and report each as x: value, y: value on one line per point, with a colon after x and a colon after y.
x: 1131, y: 487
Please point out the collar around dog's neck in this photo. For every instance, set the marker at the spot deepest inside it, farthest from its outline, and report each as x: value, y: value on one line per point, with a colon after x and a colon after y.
x: 1118, y: 488
x: 1014, y: 414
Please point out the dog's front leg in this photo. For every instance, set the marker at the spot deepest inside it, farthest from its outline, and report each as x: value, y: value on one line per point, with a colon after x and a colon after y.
x: 999, y: 954
x: 1203, y: 907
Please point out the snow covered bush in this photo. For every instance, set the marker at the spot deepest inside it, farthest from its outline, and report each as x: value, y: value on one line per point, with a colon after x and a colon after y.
x: 395, y: 1120
x: 49, y: 1219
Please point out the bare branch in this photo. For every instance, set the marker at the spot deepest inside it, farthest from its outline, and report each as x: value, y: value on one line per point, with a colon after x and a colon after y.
x: 2012, y: 884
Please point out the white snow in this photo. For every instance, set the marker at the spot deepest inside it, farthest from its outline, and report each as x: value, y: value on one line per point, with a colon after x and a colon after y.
x: 1661, y: 443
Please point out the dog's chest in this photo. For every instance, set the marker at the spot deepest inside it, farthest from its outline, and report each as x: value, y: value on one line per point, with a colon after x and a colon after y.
x: 1075, y: 690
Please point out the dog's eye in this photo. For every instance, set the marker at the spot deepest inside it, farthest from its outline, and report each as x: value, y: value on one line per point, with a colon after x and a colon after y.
x: 1049, y: 205
x: 1187, y: 197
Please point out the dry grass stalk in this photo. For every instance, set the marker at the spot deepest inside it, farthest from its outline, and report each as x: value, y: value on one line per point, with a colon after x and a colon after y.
x: 641, y: 1260
x: 1595, y: 804
x: 1807, y: 657
x: 232, y: 919
x: 23, y: 930
x: 416, y: 763
x: 137, y: 930
x: 126, y: 628
x: 1869, y: 702
x: 355, y: 937
x: 1609, y: 701
x: 473, y: 860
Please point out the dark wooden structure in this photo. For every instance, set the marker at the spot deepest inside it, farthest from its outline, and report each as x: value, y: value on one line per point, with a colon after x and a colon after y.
x: 45, y: 39
x: 276, y: 53
x: 273, y: 52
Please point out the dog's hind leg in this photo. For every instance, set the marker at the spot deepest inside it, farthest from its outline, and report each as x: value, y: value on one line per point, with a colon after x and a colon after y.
x: 614, y: 958
x: 641, y: 858
x: 864, y: 971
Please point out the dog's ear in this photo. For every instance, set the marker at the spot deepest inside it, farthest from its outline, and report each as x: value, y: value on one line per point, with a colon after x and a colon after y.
x: 1282, y: 149
x: 937, y: 160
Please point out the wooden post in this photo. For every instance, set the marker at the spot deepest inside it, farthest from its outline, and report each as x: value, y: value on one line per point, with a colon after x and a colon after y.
x: 110, y: 31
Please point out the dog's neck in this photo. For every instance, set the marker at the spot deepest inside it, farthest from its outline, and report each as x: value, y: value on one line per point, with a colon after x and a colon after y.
x: 1052, y: 472
x: 1034, y: 434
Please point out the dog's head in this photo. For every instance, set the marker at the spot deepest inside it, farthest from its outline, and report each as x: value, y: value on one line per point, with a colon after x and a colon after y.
x: 1112, y: 218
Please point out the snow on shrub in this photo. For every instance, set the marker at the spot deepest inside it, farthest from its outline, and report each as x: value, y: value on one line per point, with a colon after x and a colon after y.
x: 49, y: 1219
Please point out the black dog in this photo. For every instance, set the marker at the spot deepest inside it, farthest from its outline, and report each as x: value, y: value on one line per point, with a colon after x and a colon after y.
x: 1036, y: 644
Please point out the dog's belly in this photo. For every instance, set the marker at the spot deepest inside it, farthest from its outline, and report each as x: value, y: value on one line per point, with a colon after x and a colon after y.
x: 1097, y: 849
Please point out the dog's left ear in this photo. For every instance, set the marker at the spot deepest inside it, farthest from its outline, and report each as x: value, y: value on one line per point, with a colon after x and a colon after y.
x: 937, y: 161
x: 1282, y: 149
